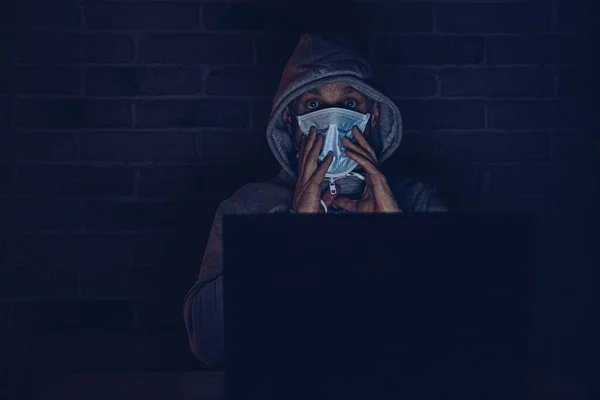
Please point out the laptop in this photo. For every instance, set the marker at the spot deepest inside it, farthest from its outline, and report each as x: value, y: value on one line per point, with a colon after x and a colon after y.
x: 374, y: 306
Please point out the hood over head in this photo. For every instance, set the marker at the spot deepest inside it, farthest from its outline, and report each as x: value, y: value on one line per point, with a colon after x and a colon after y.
x: 317, y: 61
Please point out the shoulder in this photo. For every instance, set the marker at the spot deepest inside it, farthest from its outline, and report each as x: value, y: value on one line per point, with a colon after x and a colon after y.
x: 259, y: 197
x: 417, y: 196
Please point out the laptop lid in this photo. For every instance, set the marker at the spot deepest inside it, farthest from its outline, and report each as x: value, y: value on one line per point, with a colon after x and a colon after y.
x: 383, y: 305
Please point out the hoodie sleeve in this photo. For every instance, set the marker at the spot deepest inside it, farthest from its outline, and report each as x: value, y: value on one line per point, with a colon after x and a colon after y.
x: 418, y: 197
x: 203, y: 307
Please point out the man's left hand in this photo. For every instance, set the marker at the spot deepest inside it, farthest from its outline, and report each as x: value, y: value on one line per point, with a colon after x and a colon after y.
x: 377, y: 196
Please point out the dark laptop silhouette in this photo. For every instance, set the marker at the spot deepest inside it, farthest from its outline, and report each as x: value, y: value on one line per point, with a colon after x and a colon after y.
x: 377, y: 306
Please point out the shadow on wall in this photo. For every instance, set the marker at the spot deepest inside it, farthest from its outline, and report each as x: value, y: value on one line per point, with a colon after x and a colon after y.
x: 288, y: 22
x: 352, y: 25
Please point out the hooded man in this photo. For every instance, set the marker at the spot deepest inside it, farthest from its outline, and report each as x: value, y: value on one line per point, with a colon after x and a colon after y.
x: 330, y: 129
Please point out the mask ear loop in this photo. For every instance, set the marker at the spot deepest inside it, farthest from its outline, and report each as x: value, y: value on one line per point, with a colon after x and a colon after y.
x: 324, y: 206
x: 296, y: 116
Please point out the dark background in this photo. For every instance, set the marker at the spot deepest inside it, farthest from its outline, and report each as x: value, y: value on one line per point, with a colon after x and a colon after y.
x: 123, y: 125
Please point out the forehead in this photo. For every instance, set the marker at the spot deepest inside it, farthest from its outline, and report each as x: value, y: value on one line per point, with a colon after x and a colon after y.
x: 334, y: 89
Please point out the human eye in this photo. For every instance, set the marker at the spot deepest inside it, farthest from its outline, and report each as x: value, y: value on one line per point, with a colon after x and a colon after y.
x: 311, y: 104
x: 350, y: 103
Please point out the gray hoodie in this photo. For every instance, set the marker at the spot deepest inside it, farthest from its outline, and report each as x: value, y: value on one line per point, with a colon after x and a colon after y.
x: 315, y: 62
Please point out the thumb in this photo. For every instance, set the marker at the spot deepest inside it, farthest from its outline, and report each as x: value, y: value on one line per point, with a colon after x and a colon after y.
x: 328, y: 198
x: 345, y: 203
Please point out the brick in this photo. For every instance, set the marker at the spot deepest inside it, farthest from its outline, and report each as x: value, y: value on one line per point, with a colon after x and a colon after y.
x: 73, y: 113
x: 7, y: 49
x: 408, y: 82
x: 493, y: 18
x: 34, y: 318
x: 151, y: 250
x: 4, y: 251
x: 534, y: 115
x: 274, y: 50
x: 58, y: 15
x: 112, y: 215
x: 45, y: 146
x: 71, y: 250
x: 465, y: 186
x: 44, y: 352
x: 39, y: 282
x: 172, y: 181
x: 62, y: 180
x: 570, y: 213
x: 4, y: 314
x: 539, y: 206
x: 105, y: 316
x: 190, y: 48
x: 6, y: 80
x: 138, y: 146
x: 243, y: 16
x: 428, y: 50
x: 40, y: 80
x: 209, y: 182
x: 538, y: 179
x: 397, y: 18
x: 165, y: 16
x: 225, y: 147
x: 7, y: 225
x: 191, y: 114
x: 46, y: 214
x: 260, y: 16
x: 108, y: 283
x: 573, y: 17
x: 139, y: 351
x: 7, y: 149
x: 562, y: 248
x: 242, y: 82
x: 6, y: 179
x: 57, y: 48
x: 534, y: 50
x: 413, y: 158
x: 157, y: 316
x: 112, y: 351
x: 151, y: 284
x: 497, y: 82
x: 6, y: 112
x: 573, y: 148
x: 572, y: 82
x: 146, y: 81
x: 442, y: 114
x: 461, y: 147
x: 260, y: 111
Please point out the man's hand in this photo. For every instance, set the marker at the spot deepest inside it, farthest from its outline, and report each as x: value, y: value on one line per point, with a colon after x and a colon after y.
x: 377, y: 196
x: 307, y: 196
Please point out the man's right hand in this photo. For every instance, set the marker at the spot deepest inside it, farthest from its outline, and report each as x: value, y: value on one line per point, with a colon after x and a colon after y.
x: 307, y: 196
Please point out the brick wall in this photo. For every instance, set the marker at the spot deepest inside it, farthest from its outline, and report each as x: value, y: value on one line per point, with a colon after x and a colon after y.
x: 123, y: 124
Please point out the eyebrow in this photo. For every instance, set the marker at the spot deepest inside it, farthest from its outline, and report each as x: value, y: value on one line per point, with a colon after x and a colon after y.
x: 317, y: 91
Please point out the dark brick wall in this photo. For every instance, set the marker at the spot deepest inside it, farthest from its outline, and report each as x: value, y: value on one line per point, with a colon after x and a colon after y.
x: 123, y: 124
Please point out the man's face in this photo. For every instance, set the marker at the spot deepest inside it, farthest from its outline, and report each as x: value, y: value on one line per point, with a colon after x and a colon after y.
x: 337, y: 94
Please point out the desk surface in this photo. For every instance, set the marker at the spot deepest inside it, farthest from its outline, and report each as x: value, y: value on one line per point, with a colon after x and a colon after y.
x: 197, y: 385
x: 208, y: 385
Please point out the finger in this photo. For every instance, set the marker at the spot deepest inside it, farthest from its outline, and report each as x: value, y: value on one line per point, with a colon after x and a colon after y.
x: 314, y: 152
x: 345, y: 203
x: 357, y: 149
x: 360, y: 138
x: 328, y: 197
x: 308, y: 142
x: 363, y: 162
x: 319, y: 174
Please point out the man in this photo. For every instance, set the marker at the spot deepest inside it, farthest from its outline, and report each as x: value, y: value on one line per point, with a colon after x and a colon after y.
x: 330, y: 130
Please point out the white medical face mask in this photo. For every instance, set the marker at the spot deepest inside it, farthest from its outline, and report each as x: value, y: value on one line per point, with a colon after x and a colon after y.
x: 335, y: 124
